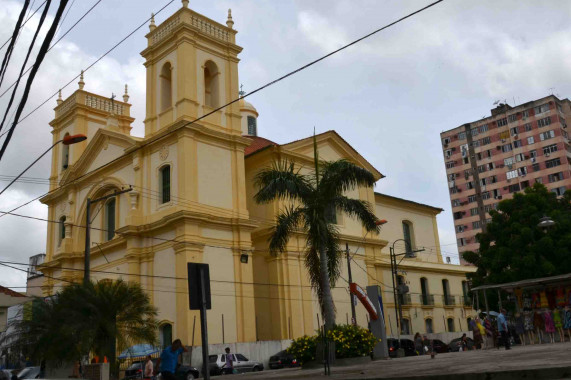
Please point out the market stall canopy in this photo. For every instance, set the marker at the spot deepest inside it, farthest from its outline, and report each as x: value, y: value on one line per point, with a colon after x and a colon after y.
x: 563, y: 279
x: 139, y: 350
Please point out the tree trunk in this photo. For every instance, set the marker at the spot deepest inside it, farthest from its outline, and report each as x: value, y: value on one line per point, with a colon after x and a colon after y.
x: 327, y: 299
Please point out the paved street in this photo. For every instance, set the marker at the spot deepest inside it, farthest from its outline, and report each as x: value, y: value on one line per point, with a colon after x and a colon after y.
x: 547, y: 361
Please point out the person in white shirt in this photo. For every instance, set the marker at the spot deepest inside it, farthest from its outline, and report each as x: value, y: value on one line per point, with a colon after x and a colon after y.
x: 148, y: 373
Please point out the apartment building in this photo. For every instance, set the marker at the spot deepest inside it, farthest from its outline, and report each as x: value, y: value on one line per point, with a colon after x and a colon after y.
x: 491, y: 159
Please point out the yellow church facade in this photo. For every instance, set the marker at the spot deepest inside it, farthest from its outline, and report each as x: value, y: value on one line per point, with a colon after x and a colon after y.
x: 191, y: 200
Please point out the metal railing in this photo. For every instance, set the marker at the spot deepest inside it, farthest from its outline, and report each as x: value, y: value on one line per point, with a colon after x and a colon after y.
x: 427, y: 299
x: 448, y: 300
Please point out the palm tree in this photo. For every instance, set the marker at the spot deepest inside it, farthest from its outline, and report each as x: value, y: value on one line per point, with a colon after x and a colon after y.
x: 313, y: 201
x: 98, y: 318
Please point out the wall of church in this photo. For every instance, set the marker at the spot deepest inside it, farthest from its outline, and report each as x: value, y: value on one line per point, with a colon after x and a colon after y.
x: 215, y: 173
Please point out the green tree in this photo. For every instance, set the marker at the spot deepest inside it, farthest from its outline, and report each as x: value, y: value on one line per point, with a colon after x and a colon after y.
x: 514, y: 248
x: 98, y: 318
x: 313, y: 201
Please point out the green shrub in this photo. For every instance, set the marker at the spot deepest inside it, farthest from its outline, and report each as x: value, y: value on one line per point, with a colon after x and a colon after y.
x: 350, y: 342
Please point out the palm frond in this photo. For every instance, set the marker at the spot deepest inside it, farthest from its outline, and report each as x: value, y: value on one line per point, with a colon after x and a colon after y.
x: 359, y: 209
x: 287, y: 222
x: 342, y: 175
x: 281, y: 181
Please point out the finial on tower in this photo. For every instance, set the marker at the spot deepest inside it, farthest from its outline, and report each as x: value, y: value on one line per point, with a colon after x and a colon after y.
x: 81, y: 83
x: 126, y: 95
x: 185, y: 3
x: 152, y: 25
x: 230, y: 22
x: 59, y: 99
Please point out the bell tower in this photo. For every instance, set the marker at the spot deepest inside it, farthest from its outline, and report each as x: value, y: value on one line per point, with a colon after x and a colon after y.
x: 192, y: 69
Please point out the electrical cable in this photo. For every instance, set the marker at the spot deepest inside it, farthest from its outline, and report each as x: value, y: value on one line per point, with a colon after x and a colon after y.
x: 10, y: 49
x: 39, y: 59
x: 24, y: 23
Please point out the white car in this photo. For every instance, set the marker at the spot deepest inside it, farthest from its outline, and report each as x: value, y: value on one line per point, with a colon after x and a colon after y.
x: 241, y: 364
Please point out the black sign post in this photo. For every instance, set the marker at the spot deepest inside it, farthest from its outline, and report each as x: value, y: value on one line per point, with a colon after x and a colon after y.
x: 199, y: 299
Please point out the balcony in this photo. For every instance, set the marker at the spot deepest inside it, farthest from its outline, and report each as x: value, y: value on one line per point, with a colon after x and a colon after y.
x: 427, y: 300
x: 448, y: 300
x: 404, y: 300
x: 467, y: 301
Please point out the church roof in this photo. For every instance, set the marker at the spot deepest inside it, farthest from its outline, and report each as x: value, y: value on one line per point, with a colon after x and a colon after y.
x: 10, y: 292
x: 258, y: 143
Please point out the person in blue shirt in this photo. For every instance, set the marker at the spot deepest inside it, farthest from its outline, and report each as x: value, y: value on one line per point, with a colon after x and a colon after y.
x: 168, y: 361
x: 503, y: 328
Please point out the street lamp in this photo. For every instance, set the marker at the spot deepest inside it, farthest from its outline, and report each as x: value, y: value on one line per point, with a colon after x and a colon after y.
x: 67, y: 140
x: 545, y: 223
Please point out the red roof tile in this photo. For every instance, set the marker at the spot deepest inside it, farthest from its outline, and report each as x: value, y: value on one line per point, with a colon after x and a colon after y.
x: 258, y: 143
x: 10, y: 292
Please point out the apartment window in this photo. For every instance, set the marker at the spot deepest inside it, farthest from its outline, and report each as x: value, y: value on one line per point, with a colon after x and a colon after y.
x: 552, y: 163
x: 483, y: 128
x: 474, y: 211
x: 555, y: 177
x: 519, y: 157
x: 511, y: 174
x: 460, y: 228
x: 450, y: 164
x: 527, y: 127
x: 541, y: 109
x: 493, y: 179
x: 476, y: 143
x: 539, y: 180
x: 467, y: 173
x: 461, y: 135
x: 513, y: 131
x: 446, y: 141
x: 512, y: 118
x: 476, y: 224
x: 471, y: 198
x: 469, y: 185
x: 513, y: 188
x: 453, y: 190
x: 550, y: 148
x: 522, y: 171
x: 478, y: 156
x: 489, y: 153
x: 525, y: 113
x: 559, y: 108
x: 502, y: 122
x: 465, y: 160
x: 488, y: 208
x: 165, y: 175
x: 486, y: 195
x: 455, y: 202
x: 536, y: 167
x: 474, y: 131
x: 486, y: 140
x: 448, y: 153
x: 559, y: 191
x: 496, y: 193
x: 530, y: 140
x: 508, y: 161
x: 481, y: 168
x: 547, y: 135
x: 524, y: 185
x: 490, y: 166
x: 544, y: 122
x: 517, y: 144
x: 507, y: 148
x: 505, y: 135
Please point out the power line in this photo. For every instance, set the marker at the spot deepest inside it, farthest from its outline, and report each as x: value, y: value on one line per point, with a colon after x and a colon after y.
x: 24, y: 23
x: 241, y: 97
x: 10, y: 49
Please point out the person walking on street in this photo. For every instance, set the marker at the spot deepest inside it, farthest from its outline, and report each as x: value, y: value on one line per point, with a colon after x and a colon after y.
x: 503, y: 328
x: 228, y: 368
x: 148, y: 370
x: 168, y: 361
x: 418, y: 344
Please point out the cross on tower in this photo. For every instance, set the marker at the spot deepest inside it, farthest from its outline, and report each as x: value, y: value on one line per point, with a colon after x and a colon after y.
x: 241, y: 92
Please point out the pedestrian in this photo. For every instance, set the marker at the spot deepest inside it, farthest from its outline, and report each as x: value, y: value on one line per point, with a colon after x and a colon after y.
x: 168, y: 361
x: 418, y: 344
x: 464, y: 343
x: 228, y: 367
x: 149, y: 370
x: 427, y: 345
x: 503, y: 329
x: 489, y: 333
x: 476, y: 334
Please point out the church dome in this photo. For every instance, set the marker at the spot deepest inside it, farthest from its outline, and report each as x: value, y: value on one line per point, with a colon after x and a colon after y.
x: 249, y: 118
x: 247, y: 107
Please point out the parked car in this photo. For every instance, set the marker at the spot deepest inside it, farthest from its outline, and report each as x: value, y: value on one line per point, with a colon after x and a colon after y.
x: 406, y: 344
x: 241, y: 364
x: 183, y: 372
x: 29, y: 373
x: 455, y: 344
x: 439, y: 346
x: 282, y: 359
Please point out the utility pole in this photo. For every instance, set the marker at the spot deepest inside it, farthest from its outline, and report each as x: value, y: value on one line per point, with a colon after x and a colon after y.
x: 87, y: 263
x: 353, y: 315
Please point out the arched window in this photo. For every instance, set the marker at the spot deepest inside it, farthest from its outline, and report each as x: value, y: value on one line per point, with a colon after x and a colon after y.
x: 428, y: 324
x: 65, y: 155
x: 165, y: 178
x: 424, y: 290
x: 405, y: 328
x: 211, y: 94
x: 61, y: 233
x: 165, y: 336
x: 408, y: 236
x: 252, y: 126
x: 110, y: 219
x: 446, y: 293
x: 450, y: 323
x: 466, y: 298
x: 165, y: 80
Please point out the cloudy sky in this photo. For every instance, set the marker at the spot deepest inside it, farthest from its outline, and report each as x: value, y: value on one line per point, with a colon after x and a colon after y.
x: 389, y: 96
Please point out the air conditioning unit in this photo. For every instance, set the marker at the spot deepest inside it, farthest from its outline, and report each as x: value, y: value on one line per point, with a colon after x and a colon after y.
x: 547, y: 154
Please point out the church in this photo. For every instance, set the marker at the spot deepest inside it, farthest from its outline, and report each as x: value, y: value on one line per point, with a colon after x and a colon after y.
x: 189, y: 197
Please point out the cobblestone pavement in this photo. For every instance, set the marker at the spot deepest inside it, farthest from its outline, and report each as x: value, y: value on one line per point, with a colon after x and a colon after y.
x: 545, y: 361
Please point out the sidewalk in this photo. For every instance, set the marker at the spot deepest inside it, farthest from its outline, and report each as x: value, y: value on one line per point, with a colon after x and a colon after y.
x: 546, y: 361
